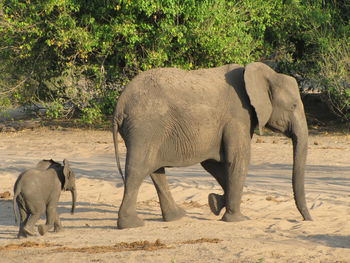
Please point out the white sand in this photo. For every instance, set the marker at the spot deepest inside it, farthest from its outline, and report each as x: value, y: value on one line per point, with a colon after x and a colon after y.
x: 274, y: 233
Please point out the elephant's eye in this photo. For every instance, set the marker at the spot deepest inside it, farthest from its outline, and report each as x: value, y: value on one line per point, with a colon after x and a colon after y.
x: 294, y: 105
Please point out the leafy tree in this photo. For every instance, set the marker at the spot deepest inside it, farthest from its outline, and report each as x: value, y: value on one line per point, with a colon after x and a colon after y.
x: 78, y: 54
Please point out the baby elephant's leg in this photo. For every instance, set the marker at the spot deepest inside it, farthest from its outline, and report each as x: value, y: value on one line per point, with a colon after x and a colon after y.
x: 24, y: 216
x: 57, y: 225
x: 28, y: 229
x: 50, y: 219
x: 35, y: 209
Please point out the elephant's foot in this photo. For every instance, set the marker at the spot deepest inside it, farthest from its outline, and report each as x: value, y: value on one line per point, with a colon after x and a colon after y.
x: 29, y: 231
x: 43, y: 229
x: 21, y: 234
x: 216, y: 203
x: 58, y: 229
x: 129, y: 222
x: 174, y: 214
x: 235, y: 217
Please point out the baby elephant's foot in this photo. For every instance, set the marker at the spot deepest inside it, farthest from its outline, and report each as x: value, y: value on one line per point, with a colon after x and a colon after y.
x: 216, y: 203
x: 174, y: 214
x: 43, y: 229
x: 21, y: 234
x: 29, y: 231
x: 58, y: 229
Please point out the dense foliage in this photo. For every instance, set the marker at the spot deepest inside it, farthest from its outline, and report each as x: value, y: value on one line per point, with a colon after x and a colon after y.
x: 75, y: 55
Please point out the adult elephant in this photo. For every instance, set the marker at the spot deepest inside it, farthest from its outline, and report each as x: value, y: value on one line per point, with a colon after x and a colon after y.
x: 170, y: 117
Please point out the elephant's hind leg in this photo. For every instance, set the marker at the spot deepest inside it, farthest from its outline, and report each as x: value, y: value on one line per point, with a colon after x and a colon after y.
x: 24, y: 216
x: 170, y: 210
x: 29, y: 226
x: 57, y: 225
x: 51, y: 215
x: 135, y: 173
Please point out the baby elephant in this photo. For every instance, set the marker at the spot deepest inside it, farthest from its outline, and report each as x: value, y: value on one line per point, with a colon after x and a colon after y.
x: 37, y: 191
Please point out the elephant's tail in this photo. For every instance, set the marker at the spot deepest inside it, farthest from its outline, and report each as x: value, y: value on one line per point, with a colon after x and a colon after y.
x: 16, y: 192
x: 115, y: 139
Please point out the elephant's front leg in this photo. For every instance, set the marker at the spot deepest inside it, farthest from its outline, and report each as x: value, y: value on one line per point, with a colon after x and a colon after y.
x: 170, y: 210
x: 233, y: 195
x: 216, y: 203
x: 237, y: 151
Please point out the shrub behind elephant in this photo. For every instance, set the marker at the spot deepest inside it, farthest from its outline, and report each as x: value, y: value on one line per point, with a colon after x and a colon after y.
x: 170, y: 117
x: 37, y: 191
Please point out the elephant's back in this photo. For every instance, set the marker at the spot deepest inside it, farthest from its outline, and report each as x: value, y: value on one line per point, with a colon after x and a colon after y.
x: 164, y: 88
x: 163, y: 81
x: 35, y: 180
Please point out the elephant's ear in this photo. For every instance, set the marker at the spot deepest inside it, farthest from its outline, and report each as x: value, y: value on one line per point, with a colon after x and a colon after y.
x: 66, y: 173
x: 256, y: 78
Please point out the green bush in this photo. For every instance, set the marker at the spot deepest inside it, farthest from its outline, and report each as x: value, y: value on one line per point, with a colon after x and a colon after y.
x: 91, y: 115
x: 82, y: 53
x: 55, y: 110
x: 334, y: 77
x: 311, y: 40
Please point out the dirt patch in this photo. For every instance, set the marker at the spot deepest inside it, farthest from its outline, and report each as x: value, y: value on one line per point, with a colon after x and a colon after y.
x: 202, y: 240
x: 13, y: 126
x: 134, y: 246
x: 27, y: 244
x: 118, y: 247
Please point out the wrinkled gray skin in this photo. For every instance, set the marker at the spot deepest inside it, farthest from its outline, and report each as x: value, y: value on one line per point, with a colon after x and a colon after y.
x: 169, y: 118
x: 37, y: 191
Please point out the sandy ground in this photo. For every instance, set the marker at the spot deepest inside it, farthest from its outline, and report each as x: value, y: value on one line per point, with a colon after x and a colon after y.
x: 274, y: 233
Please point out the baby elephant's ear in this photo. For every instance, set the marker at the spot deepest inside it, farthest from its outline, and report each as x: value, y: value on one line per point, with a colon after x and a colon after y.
x: 66, y: 172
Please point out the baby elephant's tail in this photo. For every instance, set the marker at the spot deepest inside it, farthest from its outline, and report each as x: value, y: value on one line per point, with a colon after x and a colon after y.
x: 16, y: 192
x: 115, y: 139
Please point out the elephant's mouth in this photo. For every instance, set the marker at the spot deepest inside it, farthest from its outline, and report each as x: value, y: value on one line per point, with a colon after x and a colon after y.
x: 286, y: 132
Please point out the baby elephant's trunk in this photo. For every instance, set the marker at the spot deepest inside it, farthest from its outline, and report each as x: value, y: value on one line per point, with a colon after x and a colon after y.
x: 74, y: 199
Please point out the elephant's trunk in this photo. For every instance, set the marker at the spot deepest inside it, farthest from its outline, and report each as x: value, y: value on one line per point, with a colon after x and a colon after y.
x: 74, y: 199
x: 300, y: 144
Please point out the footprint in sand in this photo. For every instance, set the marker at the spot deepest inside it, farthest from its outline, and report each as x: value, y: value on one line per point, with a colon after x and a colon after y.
x: 316, y: 204
x: 283, y: 225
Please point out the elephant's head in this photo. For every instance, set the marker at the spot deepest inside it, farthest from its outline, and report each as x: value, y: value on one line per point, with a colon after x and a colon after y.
x: 69, y: 182
x: 46, y: 164
x: 278, y: 106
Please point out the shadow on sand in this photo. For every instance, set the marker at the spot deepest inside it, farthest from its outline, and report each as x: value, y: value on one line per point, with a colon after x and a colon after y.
x: 334, y: 241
